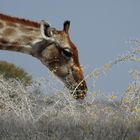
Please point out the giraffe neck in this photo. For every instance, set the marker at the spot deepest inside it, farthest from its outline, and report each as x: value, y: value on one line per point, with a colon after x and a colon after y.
x: 18, y: 34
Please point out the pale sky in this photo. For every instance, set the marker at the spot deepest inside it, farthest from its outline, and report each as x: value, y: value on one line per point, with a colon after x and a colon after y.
x: 101, y: 29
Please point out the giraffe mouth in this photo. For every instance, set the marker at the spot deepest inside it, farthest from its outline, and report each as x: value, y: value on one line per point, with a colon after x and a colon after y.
x: 78, y: 89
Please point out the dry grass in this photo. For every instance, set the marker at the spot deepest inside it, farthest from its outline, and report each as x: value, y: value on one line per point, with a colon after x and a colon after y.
x: 29, y: 114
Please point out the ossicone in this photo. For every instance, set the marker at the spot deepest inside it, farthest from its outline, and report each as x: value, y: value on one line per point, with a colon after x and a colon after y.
x: 66, y: 26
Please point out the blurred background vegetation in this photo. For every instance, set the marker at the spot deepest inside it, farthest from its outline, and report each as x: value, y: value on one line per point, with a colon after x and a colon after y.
x: 9, y: 70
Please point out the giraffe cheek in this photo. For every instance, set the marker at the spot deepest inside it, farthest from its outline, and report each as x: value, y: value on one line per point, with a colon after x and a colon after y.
x: 61, y: 71
x: 50, y: 52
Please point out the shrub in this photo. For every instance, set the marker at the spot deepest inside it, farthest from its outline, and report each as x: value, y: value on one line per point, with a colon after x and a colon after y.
x: 29, y: 114
x: 9, y: 70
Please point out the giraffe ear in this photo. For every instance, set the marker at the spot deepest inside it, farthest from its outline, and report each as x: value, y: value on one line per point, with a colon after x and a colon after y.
x: 46, y: 31
x: 66, y: 26
x: 44, y: 28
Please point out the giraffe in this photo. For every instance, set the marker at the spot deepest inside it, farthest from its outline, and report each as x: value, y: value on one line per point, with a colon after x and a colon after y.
x: 51, y: 46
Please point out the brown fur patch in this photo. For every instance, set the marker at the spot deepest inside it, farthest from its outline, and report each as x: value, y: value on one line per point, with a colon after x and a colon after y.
x: 3, y: 41
x: 16, y: 48
x: 9, y: 32
x: 11, y: 24
x: 19, y: 20
x: 1, y: 47
x: 27, y: 38
x: 15, y: 43
x: 26, y: 29
x: 18, y: 40
x: 10, y: 48
x: 75, y: 53
x: 1, y: 25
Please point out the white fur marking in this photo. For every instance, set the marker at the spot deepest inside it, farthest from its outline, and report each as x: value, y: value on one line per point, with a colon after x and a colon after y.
x: 42, y: 32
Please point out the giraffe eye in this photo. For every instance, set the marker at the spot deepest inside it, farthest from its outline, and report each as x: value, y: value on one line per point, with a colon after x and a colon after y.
x: 67, y: 53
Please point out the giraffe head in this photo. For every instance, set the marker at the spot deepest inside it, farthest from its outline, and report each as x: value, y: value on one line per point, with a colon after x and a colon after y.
x: 60, y: 55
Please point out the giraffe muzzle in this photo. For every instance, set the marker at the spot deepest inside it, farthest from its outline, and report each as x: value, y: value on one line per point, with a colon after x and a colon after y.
x: 76, y: 84
x: 80, y: 90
